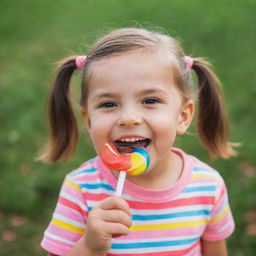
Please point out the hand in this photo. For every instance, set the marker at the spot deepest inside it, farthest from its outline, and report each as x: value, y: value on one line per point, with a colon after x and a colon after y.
x: 110, y: 218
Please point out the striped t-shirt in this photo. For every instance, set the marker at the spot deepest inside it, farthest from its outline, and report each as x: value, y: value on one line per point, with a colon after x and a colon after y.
x: 164, y: 222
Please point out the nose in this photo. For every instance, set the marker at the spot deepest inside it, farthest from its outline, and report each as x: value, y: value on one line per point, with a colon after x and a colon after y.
x: 129, y: 118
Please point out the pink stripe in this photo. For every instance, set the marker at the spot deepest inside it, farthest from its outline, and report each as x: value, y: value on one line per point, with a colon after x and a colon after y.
x: 81, y: 179
x: 95, y: 197
x: 66, y: 212
x: 220, y: 236
x: 72, y: 205
x: 201, y: 180
x: 54, y: 246
x: 175, y: 203
x: 178, y: 232
x: 61, y: 232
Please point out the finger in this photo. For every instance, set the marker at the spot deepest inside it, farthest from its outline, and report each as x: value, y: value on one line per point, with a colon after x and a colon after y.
x: 115, y: 202
x: 116, y: 216
x: 116, y: 229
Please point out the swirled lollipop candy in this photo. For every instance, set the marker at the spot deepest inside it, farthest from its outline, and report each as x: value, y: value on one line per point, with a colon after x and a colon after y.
x: 134, y: 162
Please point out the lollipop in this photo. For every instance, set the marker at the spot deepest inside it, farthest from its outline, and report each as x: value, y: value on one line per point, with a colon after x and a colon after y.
x: 134, y: 162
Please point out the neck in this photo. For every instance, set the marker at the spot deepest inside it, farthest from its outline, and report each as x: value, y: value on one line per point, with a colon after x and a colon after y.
x: 160, y: 177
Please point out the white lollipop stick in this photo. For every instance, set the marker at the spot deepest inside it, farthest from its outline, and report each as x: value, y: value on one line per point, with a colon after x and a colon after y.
x: 120, y: 183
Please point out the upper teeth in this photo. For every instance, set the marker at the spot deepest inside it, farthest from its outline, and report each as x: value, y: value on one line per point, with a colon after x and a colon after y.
x: 131, y: 139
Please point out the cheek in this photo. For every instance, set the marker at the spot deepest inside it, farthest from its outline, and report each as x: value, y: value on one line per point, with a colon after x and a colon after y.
x: 164, y: 128
x: 96, y: 123
x: 163, y: 121
x: 96, y: 120
x: 99, y: 130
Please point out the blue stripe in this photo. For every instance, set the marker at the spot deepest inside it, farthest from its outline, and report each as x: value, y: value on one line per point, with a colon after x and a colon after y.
x: 171, y: 215
x: 88, y: 170
x: 75, y: 173
x: 97, y: 186
x: 196, y: 189
x: 198, y: 169
x: 153, y: 244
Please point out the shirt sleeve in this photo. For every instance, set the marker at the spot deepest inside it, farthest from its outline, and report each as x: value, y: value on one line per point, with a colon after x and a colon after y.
x: 221, y: 224
x: 68, y: 221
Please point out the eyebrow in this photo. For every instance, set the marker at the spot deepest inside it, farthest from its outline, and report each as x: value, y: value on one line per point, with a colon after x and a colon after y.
x: 142, y: 92
x: 104, y: 95
x: 151, y: 91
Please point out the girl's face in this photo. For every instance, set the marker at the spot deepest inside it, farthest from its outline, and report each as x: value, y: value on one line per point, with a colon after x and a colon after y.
x: 132, y: 100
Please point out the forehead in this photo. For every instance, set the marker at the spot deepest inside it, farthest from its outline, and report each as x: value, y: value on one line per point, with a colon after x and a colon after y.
x: 134, y: 66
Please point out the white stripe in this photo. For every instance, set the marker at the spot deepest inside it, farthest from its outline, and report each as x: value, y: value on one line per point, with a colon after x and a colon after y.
x: 201, y: 184
x: 57, y: 238
x: 195, y: 194
x: 227, y: 224
x: 131, y: 198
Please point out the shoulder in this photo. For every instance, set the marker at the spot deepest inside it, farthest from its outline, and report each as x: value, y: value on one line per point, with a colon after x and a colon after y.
x: 204, y: 177
x: 86, y: 167
x: 201, y: 170
x: 85, y: 172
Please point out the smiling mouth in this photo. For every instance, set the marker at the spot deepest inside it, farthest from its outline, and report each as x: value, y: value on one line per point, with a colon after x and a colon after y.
x: 121, y: 145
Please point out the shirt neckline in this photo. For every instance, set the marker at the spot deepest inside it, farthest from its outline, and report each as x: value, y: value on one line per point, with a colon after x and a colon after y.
x: 146, y: 194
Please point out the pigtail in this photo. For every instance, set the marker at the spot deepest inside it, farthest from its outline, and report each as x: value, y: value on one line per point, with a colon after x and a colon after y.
x: 213, y: 125
x: 62, y: 122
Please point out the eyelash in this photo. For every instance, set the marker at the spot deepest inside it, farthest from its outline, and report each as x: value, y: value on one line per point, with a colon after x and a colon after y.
x: 147, y: 101
x: 151, y: 101
x: 107, y: 104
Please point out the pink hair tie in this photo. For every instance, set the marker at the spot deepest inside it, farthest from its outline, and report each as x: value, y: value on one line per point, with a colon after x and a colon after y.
x: 189, y: 61
x: 80, y: 61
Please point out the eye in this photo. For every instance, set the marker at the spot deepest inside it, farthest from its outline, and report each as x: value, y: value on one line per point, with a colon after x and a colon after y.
x: 107, y: 104
x: 151, y: 101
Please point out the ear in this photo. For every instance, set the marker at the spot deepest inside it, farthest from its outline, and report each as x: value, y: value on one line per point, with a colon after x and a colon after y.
x: 185, y: 117
x: 86, y: 118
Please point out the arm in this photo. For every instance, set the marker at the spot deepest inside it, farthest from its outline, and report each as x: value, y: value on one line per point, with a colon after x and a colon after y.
x: 214, y: 248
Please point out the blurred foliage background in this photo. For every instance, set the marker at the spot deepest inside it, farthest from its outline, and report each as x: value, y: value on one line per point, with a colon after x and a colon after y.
x: 36, y: 34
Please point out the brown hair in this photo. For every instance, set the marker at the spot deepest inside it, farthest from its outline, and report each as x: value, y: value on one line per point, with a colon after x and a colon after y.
x: 212, y: 120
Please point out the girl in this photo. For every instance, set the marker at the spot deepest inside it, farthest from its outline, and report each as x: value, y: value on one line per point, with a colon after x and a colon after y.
x: 136, y: 91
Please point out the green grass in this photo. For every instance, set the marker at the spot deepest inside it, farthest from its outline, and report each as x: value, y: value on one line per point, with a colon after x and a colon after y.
x: 35, y: 34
